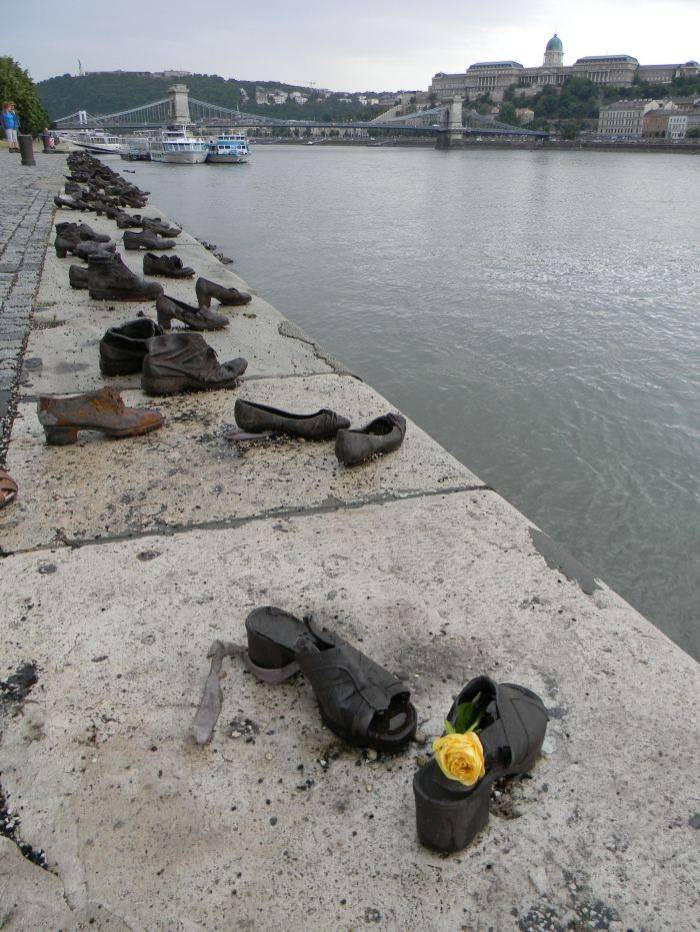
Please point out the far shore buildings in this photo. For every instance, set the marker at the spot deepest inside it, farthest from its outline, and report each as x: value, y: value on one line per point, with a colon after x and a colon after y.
x: 650, y: 119
x: 493, y: 77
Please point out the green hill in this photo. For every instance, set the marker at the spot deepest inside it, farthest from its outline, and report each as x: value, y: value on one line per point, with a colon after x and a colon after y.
x: 110, y: 92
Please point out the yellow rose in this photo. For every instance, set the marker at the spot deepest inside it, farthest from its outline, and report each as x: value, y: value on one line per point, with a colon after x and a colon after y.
x: 460, y: 757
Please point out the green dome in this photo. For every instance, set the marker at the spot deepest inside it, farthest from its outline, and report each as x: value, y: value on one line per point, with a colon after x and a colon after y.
x: 555, y: 44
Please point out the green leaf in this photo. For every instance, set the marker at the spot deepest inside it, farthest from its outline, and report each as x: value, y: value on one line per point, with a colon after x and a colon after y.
x: 468, y: 715
x: 449, y: 729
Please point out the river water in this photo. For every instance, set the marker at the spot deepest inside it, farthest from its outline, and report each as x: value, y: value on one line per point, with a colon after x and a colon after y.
x: 538, y: 313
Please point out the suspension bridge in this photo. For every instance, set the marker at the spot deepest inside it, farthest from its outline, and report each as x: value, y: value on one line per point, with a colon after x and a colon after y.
x: 448, y: 120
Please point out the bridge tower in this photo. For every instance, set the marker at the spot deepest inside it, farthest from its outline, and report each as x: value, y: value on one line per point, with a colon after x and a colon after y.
x: 179, y: 103
x: 452, y: 137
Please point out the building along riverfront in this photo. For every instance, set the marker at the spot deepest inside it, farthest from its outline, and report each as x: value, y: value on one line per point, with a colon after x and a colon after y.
x: 492, y: 78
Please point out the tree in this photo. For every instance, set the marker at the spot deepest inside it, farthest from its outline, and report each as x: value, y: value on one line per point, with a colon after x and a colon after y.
x: 507, y: 114
x: 16, y: 85
x: 546, y: 103
x: 693, y: 133
x: 571, y: 128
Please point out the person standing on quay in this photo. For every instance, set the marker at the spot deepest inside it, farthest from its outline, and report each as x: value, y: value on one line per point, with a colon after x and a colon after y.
x: 10, y: 124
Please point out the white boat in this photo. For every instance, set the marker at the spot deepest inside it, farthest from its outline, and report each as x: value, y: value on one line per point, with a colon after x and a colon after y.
x: 229, y: 149
x: 175, y: 145
x: 135, y: 149
x: 94, y: 140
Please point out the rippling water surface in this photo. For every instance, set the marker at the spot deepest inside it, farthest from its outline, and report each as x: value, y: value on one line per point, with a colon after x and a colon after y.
x: 537, y: 313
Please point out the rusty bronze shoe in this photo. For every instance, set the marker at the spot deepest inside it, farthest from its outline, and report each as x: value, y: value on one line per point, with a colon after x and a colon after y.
x: 123, y: 348
x: 382, y: 435
x: 146, y: 240
x: 110, y: 280
x: 166, y: 266
x: 196, y: 318
x: 259, y: 418
x: 63, y: 416
x: 78, y: 276
x: 184, y: 362
x: 232, y: 297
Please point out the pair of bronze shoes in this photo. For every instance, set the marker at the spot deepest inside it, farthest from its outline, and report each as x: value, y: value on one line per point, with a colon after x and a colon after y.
x: 80, y: 240
x: 352, y: 446
x: 492, y: 730
x: 108, y: 278
x: 200, y: 317
x: 181, y: 361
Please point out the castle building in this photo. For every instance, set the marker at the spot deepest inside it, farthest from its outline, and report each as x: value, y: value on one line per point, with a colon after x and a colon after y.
x: 493, y: 77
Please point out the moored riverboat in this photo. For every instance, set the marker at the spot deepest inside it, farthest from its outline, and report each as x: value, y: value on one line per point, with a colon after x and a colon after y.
x: 93, y: 141
x: 135, y: 149
x: 229, y: 149
x: 178, y: 147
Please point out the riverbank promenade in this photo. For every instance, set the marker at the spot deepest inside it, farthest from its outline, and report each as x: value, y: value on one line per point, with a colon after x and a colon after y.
x: 122, y: 561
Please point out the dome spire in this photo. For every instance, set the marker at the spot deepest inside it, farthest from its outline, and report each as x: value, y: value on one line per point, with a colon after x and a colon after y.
x: 554, y: 52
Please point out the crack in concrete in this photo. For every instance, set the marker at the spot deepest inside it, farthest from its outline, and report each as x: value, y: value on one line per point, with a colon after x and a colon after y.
x: 287, y: 329
x: 220, y: 524
x: 557, y: 558
x: 13, y: 692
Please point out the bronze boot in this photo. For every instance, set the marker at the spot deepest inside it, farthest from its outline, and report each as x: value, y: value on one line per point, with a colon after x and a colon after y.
x: 184, y: 362
x: 103, y: 410
x: 78, y: 276
x: 109, y: 279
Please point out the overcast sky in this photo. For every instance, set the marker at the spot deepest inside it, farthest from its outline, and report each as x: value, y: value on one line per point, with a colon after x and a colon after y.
x: 354, y: 45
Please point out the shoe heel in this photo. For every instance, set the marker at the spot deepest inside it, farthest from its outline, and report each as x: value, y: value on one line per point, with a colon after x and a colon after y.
x: 162, y: 385
x: 61, y: 436
x: 447, y: 826
x: 267, y: 655
x: 61, y: 252
x: 165, y: 320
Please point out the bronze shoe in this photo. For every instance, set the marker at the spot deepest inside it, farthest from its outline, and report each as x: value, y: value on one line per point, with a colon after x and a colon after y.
x: 196, y: 318
x: 78, y: 276
x: 184, y: 362
x: 109, y: 279
x: 206, y: 290
x: 146, y: 240
x: 103, y: 410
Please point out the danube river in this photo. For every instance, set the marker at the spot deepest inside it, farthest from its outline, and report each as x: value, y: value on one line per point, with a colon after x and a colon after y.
x: 538, y: 313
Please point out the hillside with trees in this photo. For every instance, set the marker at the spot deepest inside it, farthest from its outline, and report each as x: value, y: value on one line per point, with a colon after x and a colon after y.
x: 16, y: 85
x: 577, y: 104
x: 110, y: 92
